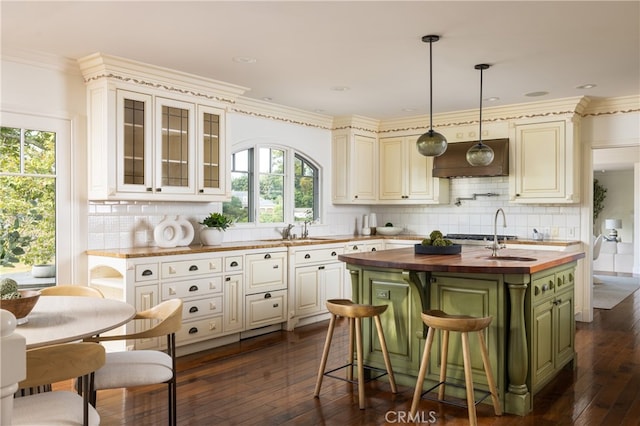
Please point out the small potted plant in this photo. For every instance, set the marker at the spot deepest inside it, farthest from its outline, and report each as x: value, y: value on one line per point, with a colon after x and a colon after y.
x: 215, y: 224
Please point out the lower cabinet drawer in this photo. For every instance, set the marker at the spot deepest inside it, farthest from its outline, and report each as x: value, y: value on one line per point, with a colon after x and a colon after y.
x: 265, y: 308
x: 199, y: 308
x: 194, y: 331
x: 192, y: 288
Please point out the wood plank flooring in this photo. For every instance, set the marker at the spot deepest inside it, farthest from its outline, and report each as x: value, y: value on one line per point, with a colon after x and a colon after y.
x: 269, y: 380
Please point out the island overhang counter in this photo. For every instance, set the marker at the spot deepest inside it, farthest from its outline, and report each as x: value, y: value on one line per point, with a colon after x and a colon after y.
x: 529, y: 294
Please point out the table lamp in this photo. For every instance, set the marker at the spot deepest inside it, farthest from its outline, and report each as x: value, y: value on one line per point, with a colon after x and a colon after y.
x: 612, y: 225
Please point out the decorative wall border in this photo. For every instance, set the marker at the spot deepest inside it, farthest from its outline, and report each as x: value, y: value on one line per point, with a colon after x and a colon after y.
x: 278, y: 118
x: 158, y: 86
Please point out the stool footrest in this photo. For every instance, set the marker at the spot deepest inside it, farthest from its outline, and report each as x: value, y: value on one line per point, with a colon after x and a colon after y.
x: 381, y: 372
x: 485, y: 395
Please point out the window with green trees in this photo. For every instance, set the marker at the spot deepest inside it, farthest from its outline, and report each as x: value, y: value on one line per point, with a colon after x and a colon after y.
x: 28, y: 187
x: 272, y: 185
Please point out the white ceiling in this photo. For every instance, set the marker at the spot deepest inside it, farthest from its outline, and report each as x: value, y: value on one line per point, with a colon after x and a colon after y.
x: 303, y: 49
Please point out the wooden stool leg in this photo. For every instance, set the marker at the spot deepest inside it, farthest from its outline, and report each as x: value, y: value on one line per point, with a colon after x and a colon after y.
x: 487, y: 370
x: 443, y: 363
x: 417, y: 393
x: 385, y: 354
x: 325, y: 355
x: 350, y: 359
x: 468, y: 379
x: 360, y: 363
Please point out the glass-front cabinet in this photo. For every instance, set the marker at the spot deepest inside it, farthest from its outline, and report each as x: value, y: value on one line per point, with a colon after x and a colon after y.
x: 155, y: 140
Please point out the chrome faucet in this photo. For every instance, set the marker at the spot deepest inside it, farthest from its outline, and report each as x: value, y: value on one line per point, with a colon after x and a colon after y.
x: 495, y: 246
x: 286, y: 232
x: 305, y: 229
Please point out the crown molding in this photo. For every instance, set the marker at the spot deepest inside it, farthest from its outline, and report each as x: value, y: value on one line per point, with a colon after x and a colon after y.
x: 98, y: 66
x: 611, y: 106
x: 356, y: 122
x: 271, y: 111
x: 41, y: 60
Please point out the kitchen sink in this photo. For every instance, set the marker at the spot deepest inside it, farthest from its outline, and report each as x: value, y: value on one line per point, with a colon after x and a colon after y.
x: 510, y: 258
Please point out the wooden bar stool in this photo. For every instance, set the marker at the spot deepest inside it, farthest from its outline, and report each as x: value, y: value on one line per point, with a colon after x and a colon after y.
x: 355, y: 313
x: 438, y: 320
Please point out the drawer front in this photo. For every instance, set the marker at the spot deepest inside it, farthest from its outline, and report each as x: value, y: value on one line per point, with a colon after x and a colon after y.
x: 203, y: 329
x: 233, y: 263
x: 266, y: 308
x: 147, y: 272
x: 543, y: 288
x: 187, y: 268
x: 564, y: 279
x: 192, y: 288
x: 318, y: 255
x: 353, y: 248
x: 201, y: 307
x: 266, y: 272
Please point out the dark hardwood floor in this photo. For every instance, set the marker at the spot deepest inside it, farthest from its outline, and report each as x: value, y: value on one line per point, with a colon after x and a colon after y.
x: 269, y: 380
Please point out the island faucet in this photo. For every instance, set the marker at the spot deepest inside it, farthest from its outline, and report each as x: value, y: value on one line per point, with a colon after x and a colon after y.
x: 495, y: 246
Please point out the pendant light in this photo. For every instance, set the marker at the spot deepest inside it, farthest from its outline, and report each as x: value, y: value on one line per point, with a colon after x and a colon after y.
x: 480, y: 154
x: 431, y: 144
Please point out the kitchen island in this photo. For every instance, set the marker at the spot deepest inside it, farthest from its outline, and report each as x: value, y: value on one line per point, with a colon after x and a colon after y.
x: 529, y: 294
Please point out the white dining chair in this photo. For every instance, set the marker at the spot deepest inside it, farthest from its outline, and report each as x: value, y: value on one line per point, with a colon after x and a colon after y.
x: 51, y: 364
x: 144, y: 367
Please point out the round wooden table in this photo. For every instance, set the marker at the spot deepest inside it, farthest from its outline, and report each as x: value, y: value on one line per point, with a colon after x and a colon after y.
x: 61, y: 319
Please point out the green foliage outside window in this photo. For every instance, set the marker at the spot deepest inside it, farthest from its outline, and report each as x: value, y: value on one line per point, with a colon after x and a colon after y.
x: 27, y: 185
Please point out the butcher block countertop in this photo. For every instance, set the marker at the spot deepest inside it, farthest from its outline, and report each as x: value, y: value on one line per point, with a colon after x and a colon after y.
x: 473, y: 259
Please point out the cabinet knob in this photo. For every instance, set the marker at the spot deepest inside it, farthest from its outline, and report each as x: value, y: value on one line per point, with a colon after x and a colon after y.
x: 193, y: 330
x: 373, y: 249
x: 545, y: 287
x: 307, y: 256
x: 234, y: 263
x: 193, y: 309
x: 355, y: 247
x: 193, y: 288
x: 267, y: 256
x: 147, y: 272
x: 333, y: 253
x: 517, y: 195
x: 355, y: 196
x: 267, y: 296
x: 193, y: 268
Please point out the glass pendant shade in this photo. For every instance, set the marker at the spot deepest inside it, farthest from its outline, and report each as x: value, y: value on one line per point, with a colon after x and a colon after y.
x: 431, y: 144
x: 480, y: 154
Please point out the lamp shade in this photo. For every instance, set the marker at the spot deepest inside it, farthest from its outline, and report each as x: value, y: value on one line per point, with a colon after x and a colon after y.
x: 613, y: 223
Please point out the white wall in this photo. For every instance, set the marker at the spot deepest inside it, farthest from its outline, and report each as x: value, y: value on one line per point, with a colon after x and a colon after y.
x: 618, y: 203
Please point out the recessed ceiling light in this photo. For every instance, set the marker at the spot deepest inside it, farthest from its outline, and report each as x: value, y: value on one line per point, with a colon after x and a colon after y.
x: 318, y: 110
x: 408, y: 109
x: 267, y: 98
x: 244, y: 59
x: 340, y: 88
x: 492, y: 99
x: 534, y: 94
x: 587, y: 86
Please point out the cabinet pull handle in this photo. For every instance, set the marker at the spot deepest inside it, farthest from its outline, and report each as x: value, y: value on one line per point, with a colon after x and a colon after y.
x: 267, y: 296
x: 193, y: 268
x: 193, y: 330
x: 201, y: 191
x: 275, y: 266
x: 228, y: 279
x: 149, y: 189
x: 193, y: 309
x: 355, y: 247
x: 275, y: 305
x: 147, y: 272
x: 193, y: 288
x: 234, y: 263
x: 267, y: 256
x: 333, y: 253
x: 158, y: 189
x: 320, y: 267
x: 373, y: 249
x: 307, y: 256
x: 545, y: 287
x: 355, y: 196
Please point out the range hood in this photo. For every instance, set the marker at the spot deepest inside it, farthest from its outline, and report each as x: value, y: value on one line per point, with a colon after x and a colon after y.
x: 453, y: 163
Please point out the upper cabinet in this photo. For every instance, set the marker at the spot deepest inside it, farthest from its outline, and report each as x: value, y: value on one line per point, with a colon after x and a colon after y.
x: 546, y: 161
x: 155, y: 134
x: 354, y: 161
x: 406, y: 176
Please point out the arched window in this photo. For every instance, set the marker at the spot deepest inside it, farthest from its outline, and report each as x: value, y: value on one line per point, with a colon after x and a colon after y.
x: 273, y: 184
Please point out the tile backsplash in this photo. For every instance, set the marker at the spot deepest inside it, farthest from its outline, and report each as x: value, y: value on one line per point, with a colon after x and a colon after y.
x: 115, y: 225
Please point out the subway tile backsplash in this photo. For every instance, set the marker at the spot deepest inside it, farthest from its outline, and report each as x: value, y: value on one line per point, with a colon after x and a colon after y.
x: 131, y: 224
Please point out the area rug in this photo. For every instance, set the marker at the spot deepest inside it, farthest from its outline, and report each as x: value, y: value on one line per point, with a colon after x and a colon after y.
x: 613, y: 290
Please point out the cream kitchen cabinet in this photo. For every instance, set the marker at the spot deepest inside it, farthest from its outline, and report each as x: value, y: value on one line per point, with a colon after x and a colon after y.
x: 406, y: 176
x: 316, y: 275
x: 545, y: 158
x: 354, y: 160
x: 151, y: 141
x: 265, y: 288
